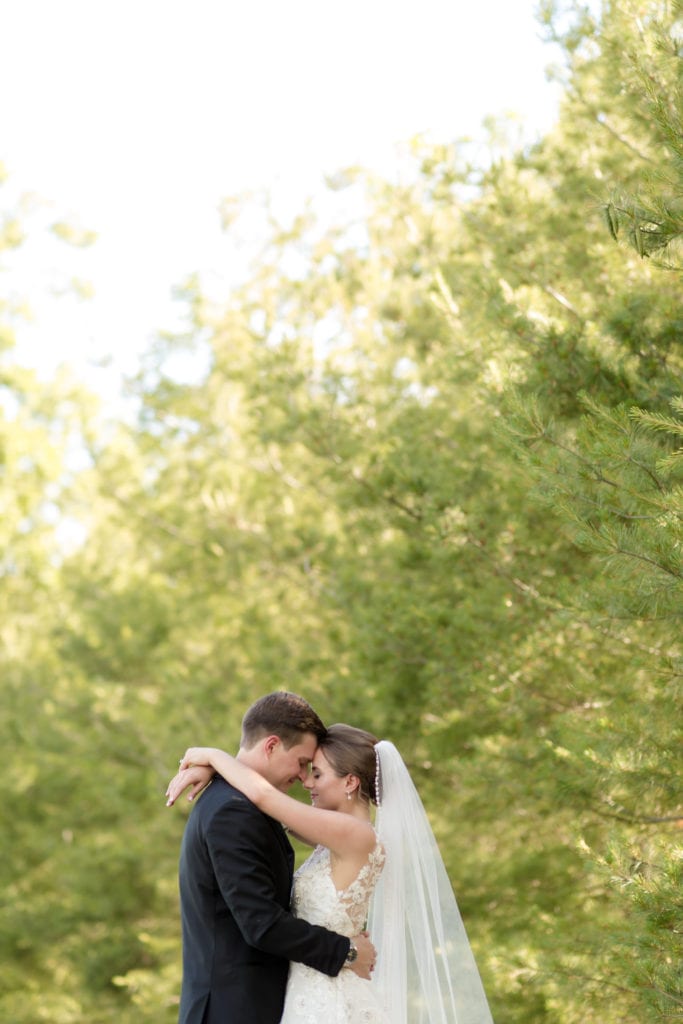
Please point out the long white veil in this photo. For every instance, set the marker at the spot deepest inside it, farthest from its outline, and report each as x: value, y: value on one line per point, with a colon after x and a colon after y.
x: 425, y: 971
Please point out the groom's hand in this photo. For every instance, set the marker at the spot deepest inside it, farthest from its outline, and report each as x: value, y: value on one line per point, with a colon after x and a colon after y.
x: 364, y: 964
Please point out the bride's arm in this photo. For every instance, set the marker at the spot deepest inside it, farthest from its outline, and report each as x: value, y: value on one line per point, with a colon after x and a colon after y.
x: 339, y: 832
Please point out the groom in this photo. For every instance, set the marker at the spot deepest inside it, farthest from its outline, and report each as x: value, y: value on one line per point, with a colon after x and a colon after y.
x: 236, y: 869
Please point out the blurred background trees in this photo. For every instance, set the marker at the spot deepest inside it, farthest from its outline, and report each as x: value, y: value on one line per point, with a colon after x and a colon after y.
x: 430, y: 478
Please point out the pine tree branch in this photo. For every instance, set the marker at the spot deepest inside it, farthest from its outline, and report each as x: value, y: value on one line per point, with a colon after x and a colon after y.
x: 656, y: 652
x: 648, y: 561
x: 154, y: 521
x: 655, y: 421
x: 590, y: 978
x: 554, y: 605
x: 614, y: 511
x: 612, y: 984
x: 639, y: 819
x: 413, y: 513
x: 599, y: 476
x: 326, y: 452
x: 558, y: 297
x: 646, y: 469
x: 601, y: 119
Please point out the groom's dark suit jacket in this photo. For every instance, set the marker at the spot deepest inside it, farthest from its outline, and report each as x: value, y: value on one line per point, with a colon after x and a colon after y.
x: 238, y: 935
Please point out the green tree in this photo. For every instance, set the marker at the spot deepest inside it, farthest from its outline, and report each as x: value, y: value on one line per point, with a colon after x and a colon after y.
x: 430, y: 478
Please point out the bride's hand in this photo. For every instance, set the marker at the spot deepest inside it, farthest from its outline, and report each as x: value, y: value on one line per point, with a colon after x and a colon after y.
x: 197, y: 777
x: 196, y: 756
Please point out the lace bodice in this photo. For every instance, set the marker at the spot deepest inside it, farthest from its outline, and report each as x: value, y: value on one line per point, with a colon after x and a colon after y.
x: 313, y: 997
x: 315, y: 898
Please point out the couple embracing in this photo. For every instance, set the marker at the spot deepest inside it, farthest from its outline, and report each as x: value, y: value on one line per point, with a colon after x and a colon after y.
x: 259, y: 950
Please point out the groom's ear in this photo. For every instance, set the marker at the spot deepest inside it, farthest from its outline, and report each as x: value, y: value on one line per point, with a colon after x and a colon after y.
x: 270, y: 743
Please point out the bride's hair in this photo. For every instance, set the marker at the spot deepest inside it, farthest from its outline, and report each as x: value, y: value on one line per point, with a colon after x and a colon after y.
x: 351, y: 751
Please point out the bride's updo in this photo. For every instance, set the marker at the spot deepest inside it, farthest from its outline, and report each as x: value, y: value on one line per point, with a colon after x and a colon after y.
x: 351, y: 751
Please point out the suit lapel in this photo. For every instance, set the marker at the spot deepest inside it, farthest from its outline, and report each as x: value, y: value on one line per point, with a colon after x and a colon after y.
x: 283, y: 843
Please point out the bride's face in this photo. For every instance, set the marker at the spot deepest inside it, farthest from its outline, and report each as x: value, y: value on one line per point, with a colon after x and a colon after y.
x: 327, y: 789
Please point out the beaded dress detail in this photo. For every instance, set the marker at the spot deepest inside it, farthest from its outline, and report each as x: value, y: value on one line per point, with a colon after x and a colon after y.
x: 315, y: 998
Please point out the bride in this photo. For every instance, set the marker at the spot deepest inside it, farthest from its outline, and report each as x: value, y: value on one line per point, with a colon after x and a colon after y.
x: 390, y: 875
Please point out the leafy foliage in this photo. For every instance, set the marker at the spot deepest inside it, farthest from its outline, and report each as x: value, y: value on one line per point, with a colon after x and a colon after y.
x: 431, y: 478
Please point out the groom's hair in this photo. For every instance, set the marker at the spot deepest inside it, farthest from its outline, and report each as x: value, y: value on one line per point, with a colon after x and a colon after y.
x: 280, y: 714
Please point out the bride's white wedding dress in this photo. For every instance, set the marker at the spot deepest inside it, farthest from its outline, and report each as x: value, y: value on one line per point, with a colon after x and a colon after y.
x: 315, y: 998
x: 425, y: 973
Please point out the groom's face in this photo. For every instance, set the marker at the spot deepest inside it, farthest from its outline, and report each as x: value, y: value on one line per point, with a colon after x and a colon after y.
x: 288, y: 766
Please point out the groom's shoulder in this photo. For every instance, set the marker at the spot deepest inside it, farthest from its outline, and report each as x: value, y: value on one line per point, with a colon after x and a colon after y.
x: 219, y: 796
x: 223, y: 810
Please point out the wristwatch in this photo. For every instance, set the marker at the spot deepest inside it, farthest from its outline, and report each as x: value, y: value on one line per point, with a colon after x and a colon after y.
x: 351, y: 955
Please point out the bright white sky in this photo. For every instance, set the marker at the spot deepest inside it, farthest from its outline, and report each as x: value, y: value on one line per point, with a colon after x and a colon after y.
x: 135, y: 118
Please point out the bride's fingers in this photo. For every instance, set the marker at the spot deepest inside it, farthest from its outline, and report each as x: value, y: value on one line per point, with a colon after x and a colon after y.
x: 171, y: 791
x: 185, y: 779
x: 175, y: 788
x: 188, y: 759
